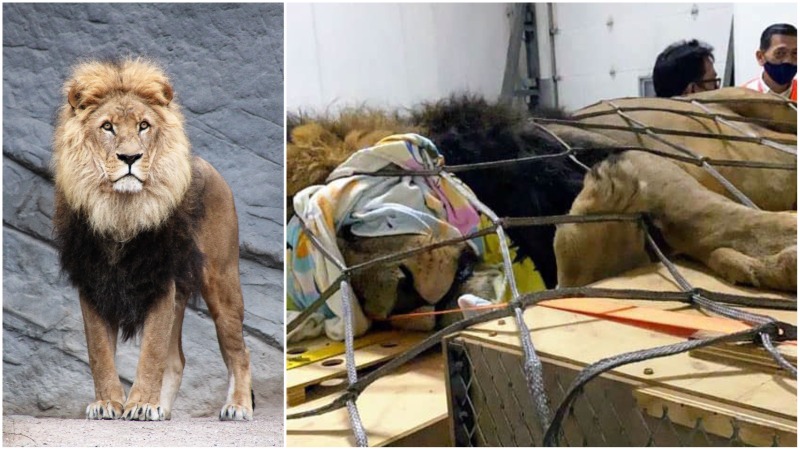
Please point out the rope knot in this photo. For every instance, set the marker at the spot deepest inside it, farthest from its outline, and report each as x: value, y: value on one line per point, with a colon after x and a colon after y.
x: 777, y: 331
x: 351, y: 393
x: 784, y: 332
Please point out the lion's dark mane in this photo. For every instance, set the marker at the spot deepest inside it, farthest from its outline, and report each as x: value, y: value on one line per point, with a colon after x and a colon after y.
x: 467, y: 130
x: 123, y: 281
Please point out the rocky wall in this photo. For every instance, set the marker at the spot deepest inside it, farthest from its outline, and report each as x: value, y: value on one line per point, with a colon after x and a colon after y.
x: 225, y: 62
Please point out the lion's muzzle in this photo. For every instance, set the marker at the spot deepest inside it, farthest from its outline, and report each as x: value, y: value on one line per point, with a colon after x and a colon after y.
x: 129, y: 182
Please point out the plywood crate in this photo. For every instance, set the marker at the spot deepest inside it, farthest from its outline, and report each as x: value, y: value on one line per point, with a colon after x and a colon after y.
x: 705, y: 399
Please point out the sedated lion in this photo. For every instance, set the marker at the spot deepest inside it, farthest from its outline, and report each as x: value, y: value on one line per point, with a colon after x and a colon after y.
x: 142, y: 225
x: 738, y: 244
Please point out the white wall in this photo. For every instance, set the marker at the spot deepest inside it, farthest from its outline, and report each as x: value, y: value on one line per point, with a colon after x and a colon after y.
x: 750, y: 21
x: 392, y: 55
x: 397, y: 55
x: 588, y: 50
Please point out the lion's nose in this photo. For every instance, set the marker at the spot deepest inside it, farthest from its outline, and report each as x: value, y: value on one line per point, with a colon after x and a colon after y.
x: 129, y: 159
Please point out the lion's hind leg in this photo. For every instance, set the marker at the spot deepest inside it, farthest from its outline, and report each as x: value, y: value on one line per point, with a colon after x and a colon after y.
x: 218, y: 240
x: 777, y: 271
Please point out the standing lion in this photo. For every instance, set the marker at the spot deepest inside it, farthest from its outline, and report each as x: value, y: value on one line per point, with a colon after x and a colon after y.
x: 142, y: 225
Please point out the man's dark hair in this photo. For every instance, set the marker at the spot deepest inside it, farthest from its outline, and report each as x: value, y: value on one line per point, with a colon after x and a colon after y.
x: 784, y: 29
x: 680, y: 64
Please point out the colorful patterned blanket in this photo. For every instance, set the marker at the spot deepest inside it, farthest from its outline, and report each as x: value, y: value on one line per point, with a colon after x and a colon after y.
x: 370, y: 205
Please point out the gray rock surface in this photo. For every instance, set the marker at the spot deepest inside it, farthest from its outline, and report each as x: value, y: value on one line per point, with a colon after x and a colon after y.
x: 225, y: 62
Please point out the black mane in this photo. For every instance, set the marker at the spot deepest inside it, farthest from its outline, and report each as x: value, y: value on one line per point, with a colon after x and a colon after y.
x: 123, y: 281
x: 467, y: 129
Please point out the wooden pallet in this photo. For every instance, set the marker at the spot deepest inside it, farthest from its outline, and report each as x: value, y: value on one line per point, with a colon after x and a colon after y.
x: 332, y: 371
x: 406, y: 408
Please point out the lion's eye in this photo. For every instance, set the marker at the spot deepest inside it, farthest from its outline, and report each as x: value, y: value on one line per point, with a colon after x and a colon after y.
x: 144, y: 125
x: 107, y: 126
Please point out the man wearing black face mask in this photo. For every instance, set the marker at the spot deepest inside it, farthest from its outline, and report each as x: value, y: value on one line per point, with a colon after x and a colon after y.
x: 778, y: 56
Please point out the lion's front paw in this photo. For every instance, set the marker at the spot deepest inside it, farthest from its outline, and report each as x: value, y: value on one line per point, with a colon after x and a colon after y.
x: 143, y: 411
x: 104, y: 409
x: 232, y: 411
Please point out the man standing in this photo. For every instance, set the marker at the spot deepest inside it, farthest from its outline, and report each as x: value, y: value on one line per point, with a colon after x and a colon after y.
x: 778, y: 56
x: 685, y: 67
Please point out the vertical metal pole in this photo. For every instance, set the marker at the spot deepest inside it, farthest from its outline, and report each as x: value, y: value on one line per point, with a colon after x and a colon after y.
x: 511, y: 74
x: 551, y: 18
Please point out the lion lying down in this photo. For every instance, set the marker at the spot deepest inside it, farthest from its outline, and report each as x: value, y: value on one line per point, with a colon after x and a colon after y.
x: 739, y: 244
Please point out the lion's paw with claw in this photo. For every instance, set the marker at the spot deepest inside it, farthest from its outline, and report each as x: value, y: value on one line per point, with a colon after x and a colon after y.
x: 232, y: 411
x: 104, y: 409
x: 143, y: 411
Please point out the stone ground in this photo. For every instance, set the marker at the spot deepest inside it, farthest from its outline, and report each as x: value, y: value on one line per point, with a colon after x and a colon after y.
x: 265, y: 430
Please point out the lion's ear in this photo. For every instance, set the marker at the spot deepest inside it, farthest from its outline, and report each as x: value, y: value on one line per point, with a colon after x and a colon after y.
x: 167, y: 92
x: 156, y: 93
x: 74, y: 95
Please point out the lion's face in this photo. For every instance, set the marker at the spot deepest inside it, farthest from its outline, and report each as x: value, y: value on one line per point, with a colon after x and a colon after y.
x: 120, y: 154
x: 124, y: 134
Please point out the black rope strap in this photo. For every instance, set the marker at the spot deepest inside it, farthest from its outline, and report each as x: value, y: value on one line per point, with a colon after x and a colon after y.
x: 577, y: 151
x: 778, y: 100
x: 704, y: 115
x: 657, y: 130
x: 792, y: 150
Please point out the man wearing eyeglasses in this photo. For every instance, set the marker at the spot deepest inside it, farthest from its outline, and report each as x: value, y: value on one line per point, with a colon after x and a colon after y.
x: 777, y: 54
x: 685, y: 67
